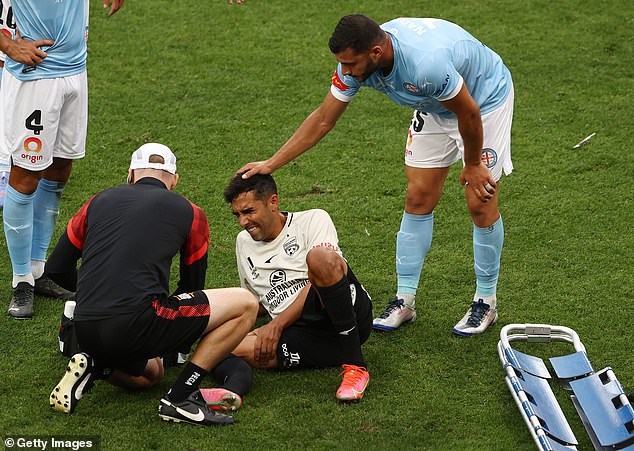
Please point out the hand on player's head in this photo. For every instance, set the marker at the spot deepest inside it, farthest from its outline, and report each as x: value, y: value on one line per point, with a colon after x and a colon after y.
x: 256, y: 167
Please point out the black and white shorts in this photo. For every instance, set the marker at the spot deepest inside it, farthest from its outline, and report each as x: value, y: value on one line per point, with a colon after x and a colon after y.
x: 312, y: 341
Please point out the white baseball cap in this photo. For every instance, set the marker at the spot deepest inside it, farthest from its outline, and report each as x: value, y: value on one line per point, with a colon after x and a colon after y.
x: 141, y: 158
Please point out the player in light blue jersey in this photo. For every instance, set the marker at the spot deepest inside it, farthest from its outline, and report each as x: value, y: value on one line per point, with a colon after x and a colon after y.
x: 462, y: 96
x: 44, y: 101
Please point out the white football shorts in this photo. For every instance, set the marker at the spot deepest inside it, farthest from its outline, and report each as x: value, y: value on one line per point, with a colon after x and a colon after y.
x: 435, y: 142
x: 43, y: 119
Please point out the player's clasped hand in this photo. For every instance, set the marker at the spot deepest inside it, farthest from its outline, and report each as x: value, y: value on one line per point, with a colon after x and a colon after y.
x: 268, y: 337
x: 478, y: 178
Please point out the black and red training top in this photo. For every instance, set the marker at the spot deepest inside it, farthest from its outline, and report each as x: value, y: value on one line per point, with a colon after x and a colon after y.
x: 126, y: 238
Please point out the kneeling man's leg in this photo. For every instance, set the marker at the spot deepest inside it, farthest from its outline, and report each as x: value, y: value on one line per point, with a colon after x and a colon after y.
x: 232, y: 313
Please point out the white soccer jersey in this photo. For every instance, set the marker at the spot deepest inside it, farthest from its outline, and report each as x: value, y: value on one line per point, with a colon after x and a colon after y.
x: 277, y: 271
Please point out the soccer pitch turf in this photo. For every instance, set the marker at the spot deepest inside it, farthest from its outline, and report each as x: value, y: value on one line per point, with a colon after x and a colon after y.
x: 224, y: 85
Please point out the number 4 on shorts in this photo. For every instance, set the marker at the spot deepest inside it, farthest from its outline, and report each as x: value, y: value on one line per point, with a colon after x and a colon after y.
x: 34, y: 122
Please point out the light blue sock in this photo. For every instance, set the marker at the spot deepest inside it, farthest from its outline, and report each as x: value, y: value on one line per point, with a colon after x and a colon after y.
x: 487, y: 249
x: 45, y: 212
x: 18, y: 229
x: 412, y: 243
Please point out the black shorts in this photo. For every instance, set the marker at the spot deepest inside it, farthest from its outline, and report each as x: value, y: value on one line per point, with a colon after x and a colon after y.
x: 126, y: 341
x: 312, y: 341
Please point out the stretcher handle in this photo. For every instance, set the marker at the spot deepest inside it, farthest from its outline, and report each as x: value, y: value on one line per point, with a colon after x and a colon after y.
x: 540, y: 333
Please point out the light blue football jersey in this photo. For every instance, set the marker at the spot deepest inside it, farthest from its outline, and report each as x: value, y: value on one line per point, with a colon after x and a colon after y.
x: 63, y: 21
x: 431, y: 56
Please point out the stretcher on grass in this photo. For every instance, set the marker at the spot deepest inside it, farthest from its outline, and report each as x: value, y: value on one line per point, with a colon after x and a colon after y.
x: 598, y: 397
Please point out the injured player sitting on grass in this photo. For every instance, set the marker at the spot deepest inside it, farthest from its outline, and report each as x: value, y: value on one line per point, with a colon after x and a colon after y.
x: 320, y: 313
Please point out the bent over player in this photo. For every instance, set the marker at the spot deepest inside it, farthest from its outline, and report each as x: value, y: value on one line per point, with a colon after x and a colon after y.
x: 125, y: 318
x: 320, y: 313
x: 462, y: 94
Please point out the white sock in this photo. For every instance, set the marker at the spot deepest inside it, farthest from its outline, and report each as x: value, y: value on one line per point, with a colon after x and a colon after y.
x: 408, y: 299
x: 490, y: 299
x: 28, y: 278
x: 37, y: 268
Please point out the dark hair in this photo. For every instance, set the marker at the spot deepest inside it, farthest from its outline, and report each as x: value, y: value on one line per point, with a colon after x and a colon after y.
x: 356, y: 32
x: 263, y: 185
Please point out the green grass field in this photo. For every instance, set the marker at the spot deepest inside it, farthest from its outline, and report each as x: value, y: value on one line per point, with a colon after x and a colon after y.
x: 224, y: 85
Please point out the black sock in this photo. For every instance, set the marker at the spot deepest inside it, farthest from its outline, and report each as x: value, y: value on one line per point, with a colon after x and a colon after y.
x: 187, y: 382
x: 337, y: 301
x: 234, y: 374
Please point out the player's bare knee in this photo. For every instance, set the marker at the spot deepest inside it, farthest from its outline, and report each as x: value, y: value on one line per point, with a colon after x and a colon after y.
x: 245, y: 350
x: 325, y: 266
x: 248, y: 303
x: 419, y: 201
x: 483, y: 214
x: 23, y: 180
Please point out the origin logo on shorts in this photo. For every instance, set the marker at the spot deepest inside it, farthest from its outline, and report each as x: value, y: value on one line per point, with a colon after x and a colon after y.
x: 30, y: 145
x: 489, y: 157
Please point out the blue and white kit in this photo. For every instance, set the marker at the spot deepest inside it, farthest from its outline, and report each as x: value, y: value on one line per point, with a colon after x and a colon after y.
x: 61, y: 21
x: 432, y: 59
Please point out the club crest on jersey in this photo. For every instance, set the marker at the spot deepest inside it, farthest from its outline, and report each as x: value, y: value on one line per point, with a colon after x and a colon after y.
x: 291, y: 246
x: 489, y: 157
x: 277, y: 277
x: 410, y: 87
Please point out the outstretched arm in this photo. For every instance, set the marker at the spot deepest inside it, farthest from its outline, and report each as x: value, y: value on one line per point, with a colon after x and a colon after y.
x: 313, y: 129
